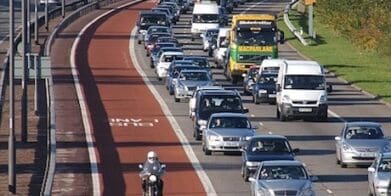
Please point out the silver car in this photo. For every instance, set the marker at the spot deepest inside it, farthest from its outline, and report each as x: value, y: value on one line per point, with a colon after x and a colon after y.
x: 379, y: 175
x: 226, y: 132
x: 281, y: 178
x: 359, y: 142
x: 188, y: 81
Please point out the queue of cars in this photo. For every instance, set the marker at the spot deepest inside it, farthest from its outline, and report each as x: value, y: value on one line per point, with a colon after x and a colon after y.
x: 297, y: 88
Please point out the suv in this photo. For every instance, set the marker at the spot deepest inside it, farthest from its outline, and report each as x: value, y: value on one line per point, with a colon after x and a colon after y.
x: 149, y: 18
x: 210, y: 102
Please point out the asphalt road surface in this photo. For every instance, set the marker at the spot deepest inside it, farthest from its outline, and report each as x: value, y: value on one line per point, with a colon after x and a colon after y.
x: 113, y: 90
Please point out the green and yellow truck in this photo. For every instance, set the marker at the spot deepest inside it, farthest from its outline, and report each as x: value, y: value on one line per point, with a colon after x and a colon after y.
x: 253, y: 37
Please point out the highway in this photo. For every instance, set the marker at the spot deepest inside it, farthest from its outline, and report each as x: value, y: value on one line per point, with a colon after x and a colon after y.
x: 113, y: 90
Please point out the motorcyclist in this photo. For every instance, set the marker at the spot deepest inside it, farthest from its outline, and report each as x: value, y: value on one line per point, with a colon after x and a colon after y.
x: 152, y: 166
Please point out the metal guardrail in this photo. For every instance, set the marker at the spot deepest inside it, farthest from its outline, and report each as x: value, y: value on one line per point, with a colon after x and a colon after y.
x: 290, y: 25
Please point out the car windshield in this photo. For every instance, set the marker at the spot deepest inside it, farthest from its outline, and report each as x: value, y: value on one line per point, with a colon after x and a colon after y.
x: 167, y: 39
x: 153, y: 37
x: 285, y: 172
x: 251, y: 58
x: 306, y: 82
x: 178, y: 69
x: 153, y: 19
x: 158, y: 30
x: 230, y: 122
x: 362, y: 132
x: 169, y: 58
x: 169, y: 50
x: 212, y: 32
x: 194, y: 76
x: 199, y: 61
x: 267, y: 79
x: 205, y: 18
x: 385, y: 165
x: 158, y: 46
x: 272, y: 146
x: 220, y: 103
x: 248, y: 37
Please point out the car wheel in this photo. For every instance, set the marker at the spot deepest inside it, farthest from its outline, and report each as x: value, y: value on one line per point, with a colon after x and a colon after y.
x: 245, y: 175
x: 370, y: 191
x: 277, y: 113
x: 235, y: 80
x: 159, y: 78
x: 139, y: 42
x: 255, y: 99
x: 170, y: 91
x: 207, y: 152
x: 210, y: 52
x: 338, y: 161
x: 152, y: 66
x: 196, y: 134
x: 282, y: 116
x: 176, y: 99
x: 192, y: 39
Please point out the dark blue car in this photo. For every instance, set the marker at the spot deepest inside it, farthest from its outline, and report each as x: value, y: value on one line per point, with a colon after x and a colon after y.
x: 265, y: 148
x: 264, y: 89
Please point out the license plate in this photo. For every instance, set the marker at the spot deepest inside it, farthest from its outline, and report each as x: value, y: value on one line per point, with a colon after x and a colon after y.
x: 305, y: 109
x: 272, y: 96
x: 366, y: 154
x: 231, y: 144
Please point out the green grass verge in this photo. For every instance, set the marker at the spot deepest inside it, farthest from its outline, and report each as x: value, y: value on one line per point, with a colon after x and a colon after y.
x: 368, y: 70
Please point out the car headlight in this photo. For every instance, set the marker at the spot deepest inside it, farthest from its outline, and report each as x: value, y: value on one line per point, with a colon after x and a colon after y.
x: 252, y: 164
x: 307, y: 192
x: 215, y: 138
x: 246, y: 138
x: 347, y: 148
x: 387, y: 148
x: 381, y: 184
x: 286, y: 99
x: 266, y: 192
x: 323, y: 99
x: 143, y: 32
x: 152, y: 178
x: 202, y: 122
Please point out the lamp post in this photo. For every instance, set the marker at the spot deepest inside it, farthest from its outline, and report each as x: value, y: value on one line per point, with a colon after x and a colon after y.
x: 11, y: 137
x: 24, y: 76
x: 36, y: 33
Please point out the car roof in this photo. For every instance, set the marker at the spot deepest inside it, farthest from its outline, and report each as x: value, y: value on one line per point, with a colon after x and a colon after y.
x: 363, y: 123
x: 228, y: 114
x: 171, y: 48
x: 269, y: 136
x: 282, y: 163
x: 172, y: 53
x: 195, y: 57
x: 158, y: 26
x: 220, y: 92
x: 204, y: 88
x: 386, y: 155
x: 194, y: 70
x: 182, y: 61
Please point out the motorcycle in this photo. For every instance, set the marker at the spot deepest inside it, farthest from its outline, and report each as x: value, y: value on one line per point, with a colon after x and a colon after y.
x: 152, y: 181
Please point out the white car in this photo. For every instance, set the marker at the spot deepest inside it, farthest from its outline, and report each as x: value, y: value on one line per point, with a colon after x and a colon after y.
x: 164, y: 63
x: 221, y: 46
x: 193, y: 99
x: 207, y: 38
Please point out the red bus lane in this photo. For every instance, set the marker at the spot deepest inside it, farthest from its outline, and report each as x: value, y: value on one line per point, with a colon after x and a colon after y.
x: 125, y: 118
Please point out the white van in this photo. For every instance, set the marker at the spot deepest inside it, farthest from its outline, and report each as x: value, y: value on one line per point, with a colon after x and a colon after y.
x: 221, y: 46
x: 205, y: 16
x: 301, y: 90
x: 271, y: 65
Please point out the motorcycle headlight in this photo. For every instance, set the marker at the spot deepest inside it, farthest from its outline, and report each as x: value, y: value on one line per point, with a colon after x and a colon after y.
x: 152, y: 178
x: 347, y: 148
x: 286, y: 99
x: 307, y: 192
x: 323, y: 99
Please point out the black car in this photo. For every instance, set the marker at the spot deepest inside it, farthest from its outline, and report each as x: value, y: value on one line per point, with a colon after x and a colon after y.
x: 168, y: 39
x: 201, y: 62
x: 210, y: 102
x: 152, y: 39
x: 149, y: 18
x: 264, y: 89
x: 265, y: 148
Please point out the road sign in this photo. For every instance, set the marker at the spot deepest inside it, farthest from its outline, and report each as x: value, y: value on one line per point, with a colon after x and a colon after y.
x: 43, y: 67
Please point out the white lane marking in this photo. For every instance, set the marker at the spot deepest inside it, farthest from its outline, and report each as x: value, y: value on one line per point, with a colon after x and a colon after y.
x: 329, y: 191
x: 207, y: 184
x: 247, y: 9
x: 83, y: 108
x: 336, y: 115
x: 252, y: 115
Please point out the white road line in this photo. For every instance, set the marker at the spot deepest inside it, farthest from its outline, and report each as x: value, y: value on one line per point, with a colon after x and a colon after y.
x: 249, y: 8
x: 207, y: 184
x: 336, y: 115
x: 83, y: 108
x: 329, y: 191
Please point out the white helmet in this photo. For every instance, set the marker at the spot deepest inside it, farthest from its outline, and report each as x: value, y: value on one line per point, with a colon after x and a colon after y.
x: 152, y: 155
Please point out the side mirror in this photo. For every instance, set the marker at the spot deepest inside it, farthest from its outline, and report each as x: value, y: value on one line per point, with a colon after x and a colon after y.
x: 163, y: 166
x: 245, y: 110
x: 296, y: 150
x: 251, y: 179
x: 213, y: 46
x: 329, y: 88
x: 282, y: 37
x: 371, y: 169
x: 140, y: 166
x: 337, y: 138
x: 314, y: 178
x: 278, y: 87
x: 244, y: 75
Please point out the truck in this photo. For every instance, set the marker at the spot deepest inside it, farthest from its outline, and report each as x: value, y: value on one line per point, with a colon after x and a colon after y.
x: 253, y: 37
x: 301, y: 91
